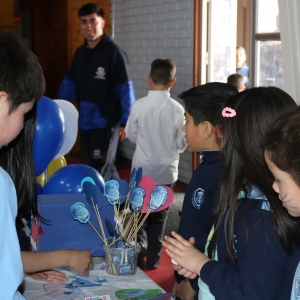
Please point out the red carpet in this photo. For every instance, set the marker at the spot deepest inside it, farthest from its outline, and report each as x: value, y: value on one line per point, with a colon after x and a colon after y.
x: 164, y: 274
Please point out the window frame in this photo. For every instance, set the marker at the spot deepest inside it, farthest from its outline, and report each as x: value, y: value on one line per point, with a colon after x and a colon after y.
x: 254, y: 39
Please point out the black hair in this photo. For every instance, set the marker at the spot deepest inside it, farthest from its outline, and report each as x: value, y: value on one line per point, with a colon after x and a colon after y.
x: 237, y: 80
x: 244, y: 164
x: 282, y: 143
x: 204, y: 102
x: 91, y: 8
x: 21, y: 77
x: 17, y: 160
x: 162, y: 71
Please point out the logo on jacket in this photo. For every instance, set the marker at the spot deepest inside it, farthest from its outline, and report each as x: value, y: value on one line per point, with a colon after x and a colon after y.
x: 198, y: 197
x: 96, y: 154
x: 234, y: 243
x: 100, y: 73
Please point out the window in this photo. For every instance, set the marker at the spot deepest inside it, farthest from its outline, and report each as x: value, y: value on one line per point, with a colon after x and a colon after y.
x: 266, y: 63
x: 218, y: 40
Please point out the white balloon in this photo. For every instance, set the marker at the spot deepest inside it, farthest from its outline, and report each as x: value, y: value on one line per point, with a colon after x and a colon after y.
x: 71, y: 124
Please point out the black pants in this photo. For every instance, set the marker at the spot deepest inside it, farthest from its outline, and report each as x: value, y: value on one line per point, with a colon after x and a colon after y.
x: 151, y: 234
x: 94, y: 146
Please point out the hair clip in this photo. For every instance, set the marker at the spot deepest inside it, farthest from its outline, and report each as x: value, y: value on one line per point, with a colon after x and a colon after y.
x: 228, y: 112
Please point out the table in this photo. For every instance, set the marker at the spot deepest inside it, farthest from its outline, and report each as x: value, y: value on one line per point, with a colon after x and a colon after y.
x: 98, y: 283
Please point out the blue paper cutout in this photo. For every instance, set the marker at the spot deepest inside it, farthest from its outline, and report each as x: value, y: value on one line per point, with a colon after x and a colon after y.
x: 123, y: 189
x: 96, y: 176
x: 92, y: 192
x: 80, y: 213
x: 137, y: 198
x: 138, y: 176
x: 132, y: 178
x: 158, y: 197
x: 87, y: 179
x: 80, y: 282
x: 111, y: 191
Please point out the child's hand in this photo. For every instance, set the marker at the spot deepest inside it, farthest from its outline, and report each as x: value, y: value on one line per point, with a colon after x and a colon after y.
x: 185, y: 254
x: 186, y: 273
x: 80, y: 261
x: 49, y: 276
x: 185, y: 291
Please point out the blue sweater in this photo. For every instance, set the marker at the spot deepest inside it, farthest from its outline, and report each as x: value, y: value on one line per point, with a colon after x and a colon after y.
x: 198, y: 204
x: 263, y: 270
x: 99, y: 80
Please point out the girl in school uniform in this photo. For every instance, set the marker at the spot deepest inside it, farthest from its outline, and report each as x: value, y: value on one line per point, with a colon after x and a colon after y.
x: 254, y: 235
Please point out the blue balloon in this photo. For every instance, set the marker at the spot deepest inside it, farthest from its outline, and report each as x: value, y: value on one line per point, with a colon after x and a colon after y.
x: 67, y: 180
x: 49, y: 133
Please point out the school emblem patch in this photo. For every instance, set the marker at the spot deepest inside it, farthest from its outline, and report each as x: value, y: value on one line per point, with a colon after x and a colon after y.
x: 100, y: 73
x: 198, y: 197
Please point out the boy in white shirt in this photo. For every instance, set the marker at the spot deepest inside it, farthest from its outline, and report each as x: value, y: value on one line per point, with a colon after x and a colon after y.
x: 155, y: 126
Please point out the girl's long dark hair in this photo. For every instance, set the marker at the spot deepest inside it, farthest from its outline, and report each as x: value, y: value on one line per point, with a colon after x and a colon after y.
x: 244, y: 164
x: 17, y: 160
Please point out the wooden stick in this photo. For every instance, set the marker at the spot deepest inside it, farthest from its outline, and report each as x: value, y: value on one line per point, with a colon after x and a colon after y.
x: 140, y: 225
x: 127, y: 202
x: 102, y: 229
x: 96, y: 231
x: 129, y: 224
x: 99, y: 220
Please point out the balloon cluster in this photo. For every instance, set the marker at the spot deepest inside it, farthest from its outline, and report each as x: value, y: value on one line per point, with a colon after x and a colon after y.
x: 55, y: 135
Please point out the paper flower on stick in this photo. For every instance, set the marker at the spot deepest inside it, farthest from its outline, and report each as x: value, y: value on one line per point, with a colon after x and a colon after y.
x: 137, y: 198
x: 132, y: 178
x: 111, y: 191
x: 158, y: 198
x: 80, y: 213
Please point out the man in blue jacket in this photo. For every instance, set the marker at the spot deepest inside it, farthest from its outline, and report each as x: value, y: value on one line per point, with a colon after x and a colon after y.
x: 98, y: 78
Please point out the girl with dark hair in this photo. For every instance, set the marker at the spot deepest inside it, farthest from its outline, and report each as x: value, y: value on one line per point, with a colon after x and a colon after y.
x: 254, y: 236
x: 282, y: 154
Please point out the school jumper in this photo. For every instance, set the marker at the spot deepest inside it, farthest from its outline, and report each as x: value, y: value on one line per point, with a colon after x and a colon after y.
x: 260, y: 267
x: 197, y: 210
x: 99, y: 80
x: 155, y: 126
x: 11, y: 274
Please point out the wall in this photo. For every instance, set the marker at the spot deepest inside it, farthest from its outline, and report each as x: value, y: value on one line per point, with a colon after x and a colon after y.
x: 156, y: 28
x: 56, y: 35
x: 7, y: 15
